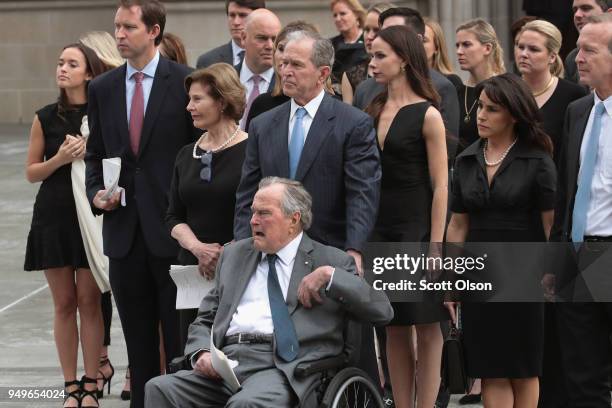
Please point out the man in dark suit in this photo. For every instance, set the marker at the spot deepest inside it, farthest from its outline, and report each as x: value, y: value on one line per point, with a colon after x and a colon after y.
x: 233, y: 52
x: 334, y: 153
x: 136, y: 239
x: 280, y: 298
x: 256, y: 71
x: 583, y: 216
x: 583, y: 9
x: 449, y: 105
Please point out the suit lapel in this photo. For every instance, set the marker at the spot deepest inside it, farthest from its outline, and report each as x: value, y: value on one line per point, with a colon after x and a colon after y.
x: 321, y: 125
x: 301, y: 267
x: 280, y: 143
x: 576, y: 142
x: 120, y: 108
x: 156, y: 98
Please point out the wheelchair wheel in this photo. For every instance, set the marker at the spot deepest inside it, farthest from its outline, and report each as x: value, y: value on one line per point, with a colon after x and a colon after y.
x: 351, y: 388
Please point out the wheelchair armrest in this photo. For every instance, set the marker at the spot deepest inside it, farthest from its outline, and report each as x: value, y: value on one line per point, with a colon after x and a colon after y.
x: 311, y: 367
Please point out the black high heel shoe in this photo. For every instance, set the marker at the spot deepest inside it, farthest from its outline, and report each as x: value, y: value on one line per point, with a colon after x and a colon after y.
x: 89, y: 393
x: 106, y: 380
x: 76, y: 394
x: 126, y: 395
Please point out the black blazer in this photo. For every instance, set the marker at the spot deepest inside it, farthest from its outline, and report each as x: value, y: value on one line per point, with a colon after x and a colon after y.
x: 339, y: 167
x: 576, y: 118
x: 223, y: 53
x: 146, y: 176
x: 270, y: 87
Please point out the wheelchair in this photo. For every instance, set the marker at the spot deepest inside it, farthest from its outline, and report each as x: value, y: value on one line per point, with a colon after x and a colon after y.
x: 339, y: 386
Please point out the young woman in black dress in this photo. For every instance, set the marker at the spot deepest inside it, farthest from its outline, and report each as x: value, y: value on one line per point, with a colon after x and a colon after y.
x: 55, y: 244
x: 413, y: 199
x: 536, y: 53
x: 504, y: 190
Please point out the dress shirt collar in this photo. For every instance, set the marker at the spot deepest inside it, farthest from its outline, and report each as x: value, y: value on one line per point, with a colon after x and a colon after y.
x: 311, y: 107
x: 607, y: 103
x: 236, y: 50
x: 246, y: 74
x: 289, y: 251
x: 148, y: 70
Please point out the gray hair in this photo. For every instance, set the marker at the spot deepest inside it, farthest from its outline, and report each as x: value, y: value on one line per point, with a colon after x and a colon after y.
x: 322, y: 49
x: 295, y: 199
x: 605, y: 18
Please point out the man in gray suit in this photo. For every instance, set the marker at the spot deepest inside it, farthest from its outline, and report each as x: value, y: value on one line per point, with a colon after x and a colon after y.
x: 279, y: 299
x: 233, y: 52
x: 449, y: 105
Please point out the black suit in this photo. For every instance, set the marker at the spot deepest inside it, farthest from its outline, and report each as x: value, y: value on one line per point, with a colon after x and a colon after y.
x: 584, y: 328
x: 136, y: 240
x: 223, y: 53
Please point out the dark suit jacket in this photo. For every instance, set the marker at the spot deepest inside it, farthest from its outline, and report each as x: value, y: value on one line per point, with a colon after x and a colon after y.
x: 319, y: 329
x: 449, y: 105
x: 146, y: 177
x: 270, y: 87
x: 571, y: 70
x: 222, y: 53
x: 576, y: 118
x: 339, y: 166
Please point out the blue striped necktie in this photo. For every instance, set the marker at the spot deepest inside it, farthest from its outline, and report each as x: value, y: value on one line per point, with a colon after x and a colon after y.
x: 297, y: 142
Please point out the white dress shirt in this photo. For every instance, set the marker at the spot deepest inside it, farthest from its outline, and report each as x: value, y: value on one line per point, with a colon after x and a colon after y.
x: 253, y: 313
x: 236, y: 49
x: 599, y: 214
x: 147, y: 83
x: 246, y: 76
x: 311, y: 110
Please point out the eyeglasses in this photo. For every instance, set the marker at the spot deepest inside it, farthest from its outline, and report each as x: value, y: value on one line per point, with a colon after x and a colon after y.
x: 206, y: 171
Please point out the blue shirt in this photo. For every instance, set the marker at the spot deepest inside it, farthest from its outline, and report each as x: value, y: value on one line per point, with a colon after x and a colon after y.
x: 147, y: 83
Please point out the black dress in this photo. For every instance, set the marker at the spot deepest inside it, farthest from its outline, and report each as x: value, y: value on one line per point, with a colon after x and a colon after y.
x: 346, y: 56
x: 504, y: 340
x: 553, y: 110
x: 406, y: 196
x: 55, y: 238
x: 468, y: 131
x: 207, y: 207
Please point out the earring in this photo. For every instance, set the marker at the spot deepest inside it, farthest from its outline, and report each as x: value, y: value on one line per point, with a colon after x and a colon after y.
x: 403, y: 68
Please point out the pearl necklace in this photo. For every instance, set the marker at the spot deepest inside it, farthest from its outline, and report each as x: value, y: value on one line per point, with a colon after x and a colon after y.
x: 501, y: 158
x: 215, y: 150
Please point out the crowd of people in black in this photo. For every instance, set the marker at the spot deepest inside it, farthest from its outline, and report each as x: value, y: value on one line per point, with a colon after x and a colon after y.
x: 284, y: 148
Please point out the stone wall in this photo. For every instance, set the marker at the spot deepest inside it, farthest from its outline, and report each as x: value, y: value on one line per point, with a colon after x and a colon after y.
x: 32, y: 34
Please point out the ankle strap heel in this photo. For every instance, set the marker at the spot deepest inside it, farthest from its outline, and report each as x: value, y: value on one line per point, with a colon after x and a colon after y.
x: 76, y: 394
x: 89, y: 393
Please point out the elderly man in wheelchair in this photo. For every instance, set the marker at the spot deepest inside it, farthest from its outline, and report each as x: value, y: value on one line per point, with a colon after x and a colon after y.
x: 279, y: 308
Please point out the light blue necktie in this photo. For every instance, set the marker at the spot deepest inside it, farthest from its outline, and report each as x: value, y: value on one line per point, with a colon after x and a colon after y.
x: 297, y: 142
x: 287, y: 345
x: 585, y: 179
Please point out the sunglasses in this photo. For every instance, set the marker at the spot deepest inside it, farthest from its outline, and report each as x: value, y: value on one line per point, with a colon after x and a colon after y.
x: 206, y: 171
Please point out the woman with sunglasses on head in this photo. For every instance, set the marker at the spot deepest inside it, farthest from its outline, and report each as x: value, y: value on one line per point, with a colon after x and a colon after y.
x: 479, y: 53
x: 504, y: 191
x: 56, y: 243
x: 200, y: 213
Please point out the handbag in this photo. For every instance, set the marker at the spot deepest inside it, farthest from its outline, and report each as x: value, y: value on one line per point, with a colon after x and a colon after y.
x: 453, y: 372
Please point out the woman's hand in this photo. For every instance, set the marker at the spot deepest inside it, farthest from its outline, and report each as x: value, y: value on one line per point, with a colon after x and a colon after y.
x: 70, y: 149
x: 452, y: 310
x: 208, y: 255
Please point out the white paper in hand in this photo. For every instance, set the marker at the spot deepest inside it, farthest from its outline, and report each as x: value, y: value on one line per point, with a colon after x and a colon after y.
x: 223, y: 365
x: 191, y: 287
x: 111, y: 170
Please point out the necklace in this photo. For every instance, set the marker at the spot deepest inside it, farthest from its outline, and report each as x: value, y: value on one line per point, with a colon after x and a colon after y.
x: 467, y: 117
x: 228, y: 141
x: 501, y: 158
x: 546, y: 88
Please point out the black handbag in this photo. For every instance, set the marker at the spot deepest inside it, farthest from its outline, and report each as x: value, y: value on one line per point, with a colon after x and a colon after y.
x: 453, y: 372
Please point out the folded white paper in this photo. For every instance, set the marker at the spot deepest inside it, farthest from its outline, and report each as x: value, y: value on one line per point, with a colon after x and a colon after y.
x: 223, y: 365
x: 111, y: 170
x: 191, y: 287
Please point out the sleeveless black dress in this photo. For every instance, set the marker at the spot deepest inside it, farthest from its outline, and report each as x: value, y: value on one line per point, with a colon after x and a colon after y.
x: 406, y: 196
x: 55, y: 238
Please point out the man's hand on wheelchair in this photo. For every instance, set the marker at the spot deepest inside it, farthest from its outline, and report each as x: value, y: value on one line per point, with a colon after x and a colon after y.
x: 308, y: 291
x: 204, y: 366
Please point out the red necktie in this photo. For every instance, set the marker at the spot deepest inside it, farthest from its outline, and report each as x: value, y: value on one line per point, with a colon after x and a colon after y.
x: 136, y: 113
